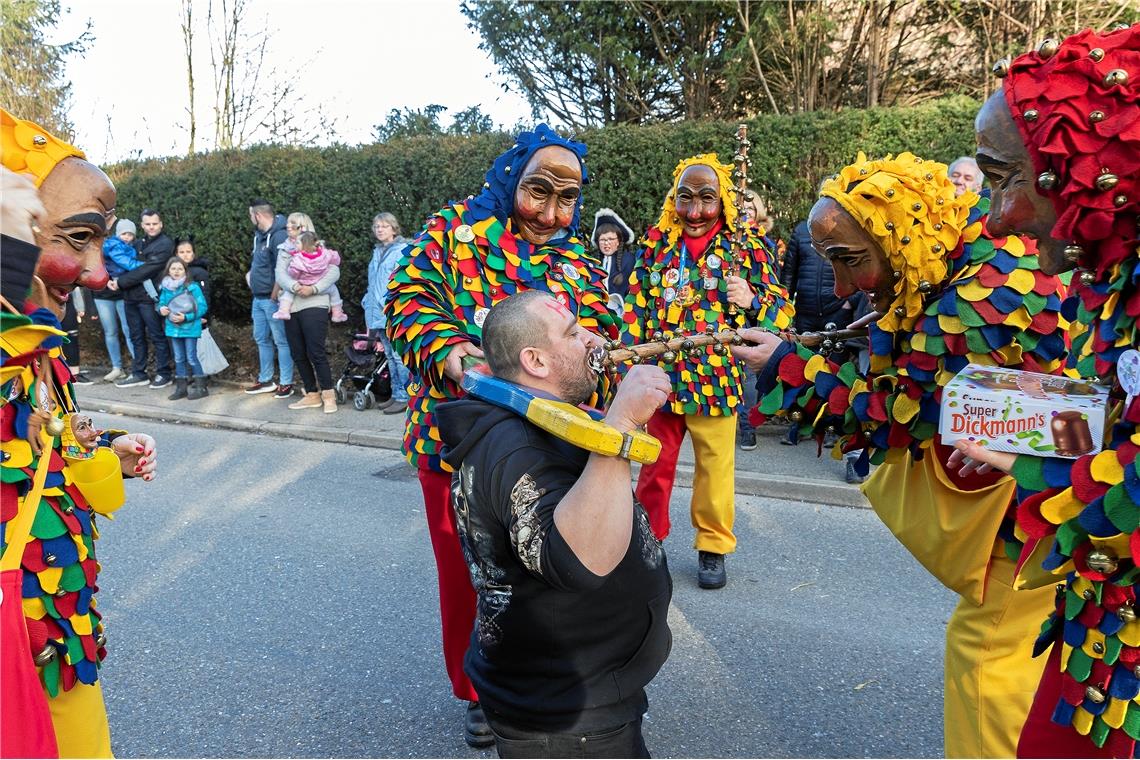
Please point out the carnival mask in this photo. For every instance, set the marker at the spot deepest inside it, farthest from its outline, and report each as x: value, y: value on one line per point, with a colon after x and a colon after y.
x: 698, y: 200
x: 547, y: 194
x: 859, y: 262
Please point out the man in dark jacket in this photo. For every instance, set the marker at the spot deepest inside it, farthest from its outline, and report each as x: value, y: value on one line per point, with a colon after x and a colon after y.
x: 140, y: 294
x: 268, y: 333
x: 573, y: 588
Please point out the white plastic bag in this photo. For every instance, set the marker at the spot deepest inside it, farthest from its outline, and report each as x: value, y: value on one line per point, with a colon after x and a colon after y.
x: 210, y: 356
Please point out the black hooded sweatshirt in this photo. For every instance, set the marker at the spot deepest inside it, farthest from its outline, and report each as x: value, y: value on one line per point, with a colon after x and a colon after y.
x: 154, y: 252
x: 555, y: 647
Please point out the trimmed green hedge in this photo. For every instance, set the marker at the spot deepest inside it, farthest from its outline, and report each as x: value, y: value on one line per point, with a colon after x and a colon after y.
x: 630, y: 166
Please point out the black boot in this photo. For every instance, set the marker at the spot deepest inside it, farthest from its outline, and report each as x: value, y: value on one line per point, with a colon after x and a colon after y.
x: 179, y: 389
x: 199, y: 388
x: 476, y: 731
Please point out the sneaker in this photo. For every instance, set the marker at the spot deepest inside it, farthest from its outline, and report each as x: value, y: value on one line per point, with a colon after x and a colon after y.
x: 851, y: 476
x: 792, y: 437
x: 396, y: 407
x: 830, y: 439
x: 260, y: 387
x: 81, y: 378
x: 283, y: 391
x: 338, y: 314
x: 113, y: 375
x: 747, y: 441
x: 132, y: 380
x: 160, y: 381
x: 710, y: 570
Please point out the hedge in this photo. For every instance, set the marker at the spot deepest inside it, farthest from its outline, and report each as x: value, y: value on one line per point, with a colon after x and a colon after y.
x: 341, y: 188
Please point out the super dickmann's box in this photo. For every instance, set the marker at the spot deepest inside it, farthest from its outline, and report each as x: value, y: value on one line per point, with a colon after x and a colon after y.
x: 1024, y: 412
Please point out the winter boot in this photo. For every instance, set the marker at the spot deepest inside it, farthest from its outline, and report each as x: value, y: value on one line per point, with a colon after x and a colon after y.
x: 179, y: 389
x: 199, y: 389
x: 328, y: 399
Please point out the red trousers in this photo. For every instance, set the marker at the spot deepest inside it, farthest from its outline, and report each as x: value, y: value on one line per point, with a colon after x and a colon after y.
x: 456, y: 594
x: 1041, y: 737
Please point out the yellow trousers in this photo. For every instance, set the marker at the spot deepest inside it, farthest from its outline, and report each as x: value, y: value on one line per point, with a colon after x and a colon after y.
x: 713, y: 507
x: 990, y: 674
x: 80, y: 719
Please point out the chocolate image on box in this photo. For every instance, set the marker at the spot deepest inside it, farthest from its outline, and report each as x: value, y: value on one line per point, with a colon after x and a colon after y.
x: 1071, y: 434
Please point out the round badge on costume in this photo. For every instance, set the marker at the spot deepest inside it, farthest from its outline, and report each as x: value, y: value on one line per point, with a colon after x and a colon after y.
x: 670, y: 294
x: 710, y: 283
x: 481, y: 316
x: 672, y: 277
x: 464, y: 233
x: 1128, y: 372
x: 654, y: 278
x: 570, y: 271
x: 713, y: 261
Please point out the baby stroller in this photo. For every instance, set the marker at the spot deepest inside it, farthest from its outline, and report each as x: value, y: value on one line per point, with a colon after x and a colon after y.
x: 365, y: 377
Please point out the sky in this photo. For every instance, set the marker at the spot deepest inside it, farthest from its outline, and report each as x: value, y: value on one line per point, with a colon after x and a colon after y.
x: 355, y: 60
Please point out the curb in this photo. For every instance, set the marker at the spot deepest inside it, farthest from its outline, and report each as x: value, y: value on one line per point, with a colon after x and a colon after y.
x: 788, y: 488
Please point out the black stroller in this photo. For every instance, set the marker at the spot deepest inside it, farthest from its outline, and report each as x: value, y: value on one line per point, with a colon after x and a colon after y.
x: 365, y: 377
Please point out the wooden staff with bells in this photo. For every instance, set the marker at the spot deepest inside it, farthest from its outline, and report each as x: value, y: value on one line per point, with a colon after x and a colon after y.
x: 740, y: 175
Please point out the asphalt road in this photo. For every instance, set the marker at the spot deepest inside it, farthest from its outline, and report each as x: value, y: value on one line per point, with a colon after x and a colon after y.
x: 269, y: 597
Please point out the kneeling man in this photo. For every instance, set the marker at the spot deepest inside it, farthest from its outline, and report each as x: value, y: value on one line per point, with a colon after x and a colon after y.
x: 572, y: 586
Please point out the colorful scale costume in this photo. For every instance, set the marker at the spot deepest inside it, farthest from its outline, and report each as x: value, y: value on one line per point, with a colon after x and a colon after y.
x: 1077, y: 107
x: 961, y: 297
x: 467, y: 259
x: 677, y: 291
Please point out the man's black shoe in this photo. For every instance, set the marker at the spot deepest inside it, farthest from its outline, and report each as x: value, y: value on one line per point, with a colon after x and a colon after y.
x: 476, y: 730
x: 747, y: 441
x: 710, y: 570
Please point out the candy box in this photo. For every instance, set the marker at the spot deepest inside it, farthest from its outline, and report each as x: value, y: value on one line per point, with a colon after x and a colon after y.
x: 1023, y: 412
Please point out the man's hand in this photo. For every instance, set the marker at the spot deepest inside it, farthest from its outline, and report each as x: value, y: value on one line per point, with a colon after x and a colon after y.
x: 740, y: 292
x: 970, y: 457
x: 453, y: 364
x: 21, y: 209
x: 643, y: 391
x: 113, y: 284
x: 756, y: 356
x: 136, y: 452
x: 177, y: 318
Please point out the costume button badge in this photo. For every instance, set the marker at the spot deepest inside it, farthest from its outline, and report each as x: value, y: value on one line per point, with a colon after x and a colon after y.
x: 713, y: 261
x: 670, y: 294
x: 655, y: 278
x: 481, y: 316
x: 464, y: 233
x: 672, y: 277
x: 569, y: 270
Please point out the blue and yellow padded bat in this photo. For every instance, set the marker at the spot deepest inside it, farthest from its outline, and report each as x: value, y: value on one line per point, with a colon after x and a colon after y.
x: 586, y: 430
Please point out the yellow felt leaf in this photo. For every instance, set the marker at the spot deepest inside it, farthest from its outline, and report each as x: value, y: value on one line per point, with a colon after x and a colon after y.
x: 1021, y: 280
x: 49, y: 578
x: 1129, y: 635
x: 1082, y: 721
x: 1093, y: 637
x: 1114, y: 714
x: 81, y: 624
x: 974, y: 291
x: 905, y: 408
x: 1062, y: 507
x: 1106, y: 468
x: 34, y: 608
x: 1014, y: 246
x: 814, y: 365
x: 951, y: 325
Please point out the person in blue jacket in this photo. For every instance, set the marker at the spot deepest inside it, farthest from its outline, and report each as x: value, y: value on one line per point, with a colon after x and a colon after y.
x: 183, y: 305
x: 385, y: 256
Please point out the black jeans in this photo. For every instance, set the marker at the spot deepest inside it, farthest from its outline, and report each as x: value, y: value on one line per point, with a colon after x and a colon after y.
x: 145, y: 322
x: 306, y: 332
x: 70, y: 325
x: 513, y: 740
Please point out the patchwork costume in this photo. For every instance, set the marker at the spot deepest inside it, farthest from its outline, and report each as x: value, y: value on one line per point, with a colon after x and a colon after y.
x: 48, y: 507
x: 959, y: 298
x: 1077, y: 108
x: 467, y: 259
x: 678, y: 287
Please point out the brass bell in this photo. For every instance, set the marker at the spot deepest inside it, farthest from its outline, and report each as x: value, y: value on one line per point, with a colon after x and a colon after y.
x: 1059, y: 588
x: 900, y: 312
x: 54, y: 426
x: 890, y: 225
x: 891, y: 193
x: 827, y: 347
x: 1001, y: 68
x: 1094, y: 695
x: 736, y: 340
x: 1116, y: 76
x: 1088, y: 594
x: 1102, y: 561
x: 929, y: 176
x: 1097, y: 54
x: 39, y: 140
x: 44, y: 657
x: 905, y: 239
x: 1119, y: 200
x: 1107, y: 181
x: 60, y: 592
x: 1127, y: 613
x: 635, y: 359
x: 1073, y: 253
x: 719, y: 349
x: 1047, y: 180
x: 696, y: 354
x: 101, y: 641
x: 862, y: 171
x: 896, y: 274
x: 938, y: 227
x: 1098, y: 647
x: 669, y: 357
x: 1087, y: 278
x: 1096, y: 116
x: 937, y: 248
x: 795, y: 416
x: 50, y: 559
x: 924, y: 286
x: 658, y: 335
x: 831, y: 429
x: 917, y: 160
x: 1048, y: 48
x: 916, y: 207
x: 687, y: 345
x: 1031, y: 115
